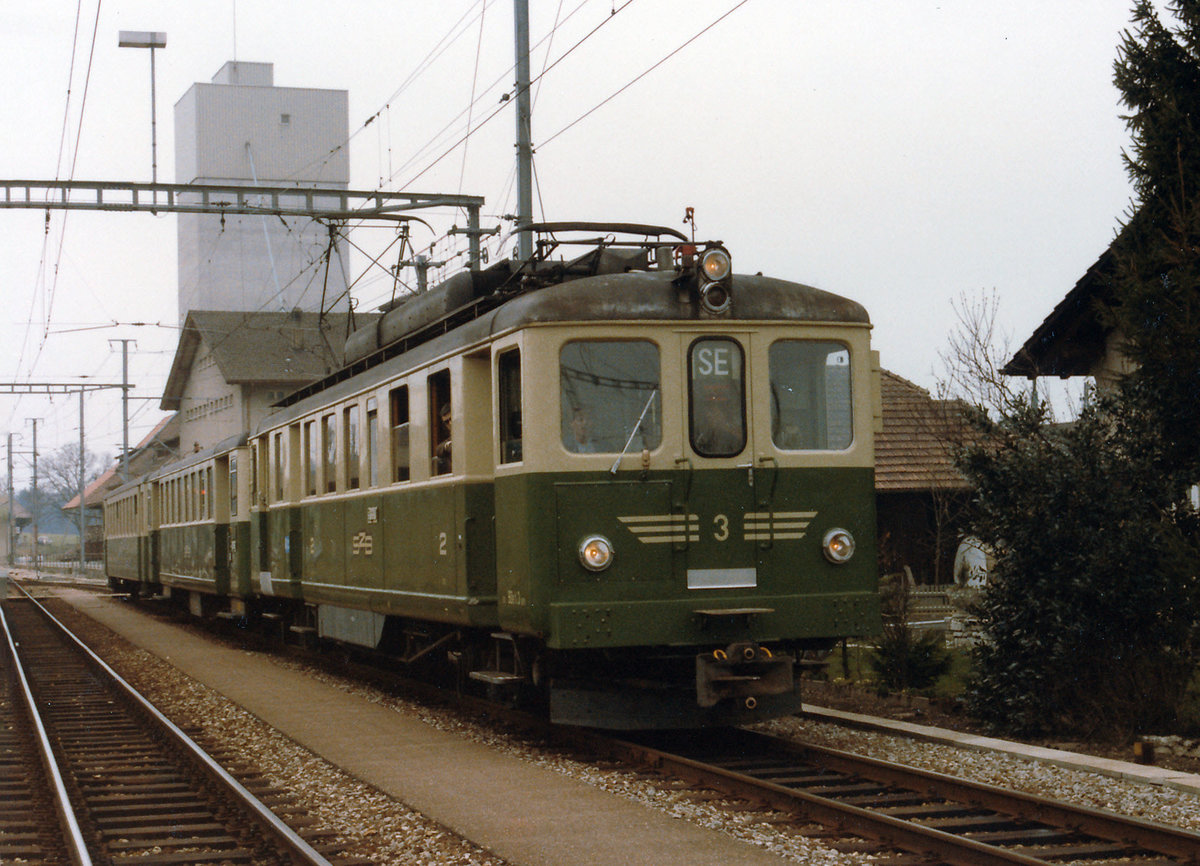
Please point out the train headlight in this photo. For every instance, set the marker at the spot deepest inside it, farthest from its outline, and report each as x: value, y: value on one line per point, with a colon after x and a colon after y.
x: 838, y: 546
x: 714, y: 298
x: 716, y: 281
x: 715, y: 264
x: 595, y: 553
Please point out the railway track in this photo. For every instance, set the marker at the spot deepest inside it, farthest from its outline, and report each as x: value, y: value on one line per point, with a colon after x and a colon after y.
x: 940, y: 817
x: 135, y: 786
x: 29, y: 823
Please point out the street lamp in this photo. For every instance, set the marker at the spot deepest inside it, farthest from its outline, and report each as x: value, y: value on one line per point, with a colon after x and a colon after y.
x: 151, y: 40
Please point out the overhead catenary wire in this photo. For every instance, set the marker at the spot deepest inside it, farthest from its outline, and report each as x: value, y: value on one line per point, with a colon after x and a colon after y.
x: 503, y: 106
x: 643, y: 74
x: 472, y: 127
x: 48, y: 297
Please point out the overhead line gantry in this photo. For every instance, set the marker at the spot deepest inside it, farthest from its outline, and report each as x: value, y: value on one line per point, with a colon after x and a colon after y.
x: 328, y: 205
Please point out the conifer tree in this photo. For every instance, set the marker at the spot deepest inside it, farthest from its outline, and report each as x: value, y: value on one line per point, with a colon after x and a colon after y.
x: 1157, y: 309
x: 1090, y: 626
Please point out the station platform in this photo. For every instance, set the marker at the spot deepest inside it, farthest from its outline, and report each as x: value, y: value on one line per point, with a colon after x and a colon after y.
x: 529, y: 815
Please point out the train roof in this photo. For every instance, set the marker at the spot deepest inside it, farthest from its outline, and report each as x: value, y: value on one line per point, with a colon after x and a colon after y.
x: 613, y: 282
x: 189, y: 459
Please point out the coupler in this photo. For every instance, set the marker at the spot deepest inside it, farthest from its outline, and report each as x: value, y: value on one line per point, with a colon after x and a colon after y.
x: 742, y: 671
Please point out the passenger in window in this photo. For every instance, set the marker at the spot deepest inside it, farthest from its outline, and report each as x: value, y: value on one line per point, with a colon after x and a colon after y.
x: 581, y: 432
x: 717, y: 425
x: 442, y: 451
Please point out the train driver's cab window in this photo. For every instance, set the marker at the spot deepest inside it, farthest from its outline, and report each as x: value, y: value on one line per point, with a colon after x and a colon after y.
x: 441, y: 447
x: 609, y: 396
x: 717, y: 397
x: 508, y: 368
x: 398, y: 406
x: 811, y: 406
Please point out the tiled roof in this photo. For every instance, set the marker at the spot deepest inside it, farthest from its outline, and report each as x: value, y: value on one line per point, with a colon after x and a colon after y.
x: 913, y: 453
x: 20, y: 513
x: 288, y: 349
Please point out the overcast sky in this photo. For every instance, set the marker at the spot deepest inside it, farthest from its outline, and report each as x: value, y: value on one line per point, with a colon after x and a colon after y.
x: 899, y: 153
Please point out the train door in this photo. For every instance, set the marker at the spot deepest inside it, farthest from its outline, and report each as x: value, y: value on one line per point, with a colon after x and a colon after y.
x: 360, y: 449
x: 725, y: 491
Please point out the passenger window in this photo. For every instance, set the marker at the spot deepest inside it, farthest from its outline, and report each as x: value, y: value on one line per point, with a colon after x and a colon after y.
x: 233, y: 503
x: 350, y: 431
x: 609, y: 396
x: 717, y: 405
x: 509, y: 382
x: 439, y: 423
x: 372, y: 442
x: 811, y: 401
x: 277, y: 467
x: 310, y: 458
x: 398, y: 400
x: 329, y: 449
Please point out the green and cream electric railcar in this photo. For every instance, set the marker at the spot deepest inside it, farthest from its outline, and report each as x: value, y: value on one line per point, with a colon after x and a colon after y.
x: 632, y: 484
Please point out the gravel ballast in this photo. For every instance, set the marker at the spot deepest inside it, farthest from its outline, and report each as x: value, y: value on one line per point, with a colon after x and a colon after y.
x: 377, y: 827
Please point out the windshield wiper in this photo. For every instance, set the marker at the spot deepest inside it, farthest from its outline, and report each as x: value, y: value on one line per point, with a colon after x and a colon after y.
x: 633, y: 432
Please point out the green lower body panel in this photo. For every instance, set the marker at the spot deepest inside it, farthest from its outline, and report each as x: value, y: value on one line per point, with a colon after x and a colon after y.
x: 699, y: 620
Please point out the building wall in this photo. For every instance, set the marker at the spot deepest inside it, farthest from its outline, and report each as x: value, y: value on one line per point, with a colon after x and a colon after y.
x: 259, y: 400
x: 240, y: 129
x: 1114, y: 364
x: 211, y: 408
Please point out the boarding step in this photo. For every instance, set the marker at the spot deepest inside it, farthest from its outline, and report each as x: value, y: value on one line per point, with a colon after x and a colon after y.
x: 496, y: 678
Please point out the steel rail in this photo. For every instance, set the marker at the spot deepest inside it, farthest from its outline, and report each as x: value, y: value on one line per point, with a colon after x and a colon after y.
x: 1114, y: 827
x: 266, y: 818
x: 947, y: 847
x: 72, y: 835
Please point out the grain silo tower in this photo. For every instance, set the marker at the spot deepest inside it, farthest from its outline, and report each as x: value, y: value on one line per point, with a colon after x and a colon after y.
x: 242, y: 129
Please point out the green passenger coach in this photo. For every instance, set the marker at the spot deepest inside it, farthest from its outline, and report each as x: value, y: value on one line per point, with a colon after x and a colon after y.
x: 630, y: 485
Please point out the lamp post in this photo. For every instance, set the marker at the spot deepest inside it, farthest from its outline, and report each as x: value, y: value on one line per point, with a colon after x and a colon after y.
x: 151, y: 40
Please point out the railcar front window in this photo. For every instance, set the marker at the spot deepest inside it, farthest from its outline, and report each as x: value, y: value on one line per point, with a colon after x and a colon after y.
x: 718, y: 397
x: 609, y: 394
x: 811, y: 398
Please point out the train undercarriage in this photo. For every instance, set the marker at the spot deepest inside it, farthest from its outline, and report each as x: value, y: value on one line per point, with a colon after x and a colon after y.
x: 633, y: 688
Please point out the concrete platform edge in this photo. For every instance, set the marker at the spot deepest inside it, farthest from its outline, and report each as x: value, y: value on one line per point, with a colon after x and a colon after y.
x: 1146, y: 774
